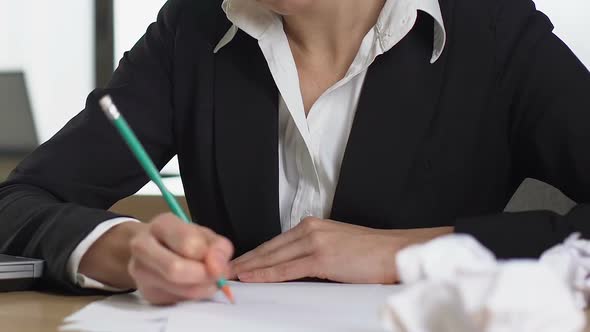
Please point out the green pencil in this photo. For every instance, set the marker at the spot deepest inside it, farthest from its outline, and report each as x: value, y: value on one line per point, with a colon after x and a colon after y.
x: 111, y: 111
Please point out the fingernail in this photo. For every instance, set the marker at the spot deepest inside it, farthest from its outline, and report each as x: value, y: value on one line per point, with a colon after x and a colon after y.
x: 245, y: 275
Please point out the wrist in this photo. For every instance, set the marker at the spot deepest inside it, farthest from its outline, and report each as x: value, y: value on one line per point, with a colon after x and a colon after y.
x: 405, y: 238
x: 107, y: 258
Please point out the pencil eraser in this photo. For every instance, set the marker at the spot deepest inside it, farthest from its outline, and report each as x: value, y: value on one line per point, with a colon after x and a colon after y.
x: 105, y: 102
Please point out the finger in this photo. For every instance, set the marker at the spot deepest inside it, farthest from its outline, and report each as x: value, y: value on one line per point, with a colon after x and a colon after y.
x: 305, y: 227
x: 219, y: 253
x: 233, y: 276
x: 293, y: 270
x: 223, y: 248
x: 186, y: 240
x: 149, y: 279
x: 270, y: 245
x: 157, y: 296
x: 290, y: 251
x: 169, y: 266
x: 218, y: 256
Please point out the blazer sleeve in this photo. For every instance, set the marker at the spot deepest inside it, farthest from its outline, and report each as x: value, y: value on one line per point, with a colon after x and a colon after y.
x: 547, y: 90
x: 61, y: 192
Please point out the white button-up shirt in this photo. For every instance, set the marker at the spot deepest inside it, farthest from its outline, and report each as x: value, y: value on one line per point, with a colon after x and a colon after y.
x: 311, y: 148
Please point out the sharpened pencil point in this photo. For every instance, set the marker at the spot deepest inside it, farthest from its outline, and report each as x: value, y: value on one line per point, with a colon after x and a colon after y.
x: 228, y: 293
x: 222, y: 284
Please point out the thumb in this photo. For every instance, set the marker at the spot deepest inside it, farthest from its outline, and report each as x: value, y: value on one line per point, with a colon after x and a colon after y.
x: 218, y: 257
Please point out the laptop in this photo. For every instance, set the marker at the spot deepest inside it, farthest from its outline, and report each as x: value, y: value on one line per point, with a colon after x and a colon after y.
x: 19, y: 273
x: 17, y: 130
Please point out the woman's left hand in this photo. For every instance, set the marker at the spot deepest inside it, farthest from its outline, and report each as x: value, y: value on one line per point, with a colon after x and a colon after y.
x: 330, y: 250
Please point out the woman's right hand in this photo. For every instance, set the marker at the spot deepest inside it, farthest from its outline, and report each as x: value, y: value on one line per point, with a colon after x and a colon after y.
x: 172, y: 261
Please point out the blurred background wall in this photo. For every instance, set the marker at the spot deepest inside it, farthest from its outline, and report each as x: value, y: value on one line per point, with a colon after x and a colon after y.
x: 131, y: 20
x: 571, y: 19
x: 52, y: 43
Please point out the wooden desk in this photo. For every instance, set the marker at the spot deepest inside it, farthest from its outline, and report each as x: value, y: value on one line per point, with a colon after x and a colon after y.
x: 144, y: 208
x: 39, y: 312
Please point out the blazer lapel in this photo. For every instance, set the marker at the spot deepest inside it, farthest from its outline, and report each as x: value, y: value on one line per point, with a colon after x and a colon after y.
x: 246, y: 141
x: 395, y: 110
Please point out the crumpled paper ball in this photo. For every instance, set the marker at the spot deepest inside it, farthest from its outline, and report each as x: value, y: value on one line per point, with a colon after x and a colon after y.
x: 454, y: 284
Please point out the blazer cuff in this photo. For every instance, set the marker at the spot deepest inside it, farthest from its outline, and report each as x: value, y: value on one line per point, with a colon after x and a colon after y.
x: 516, y: 235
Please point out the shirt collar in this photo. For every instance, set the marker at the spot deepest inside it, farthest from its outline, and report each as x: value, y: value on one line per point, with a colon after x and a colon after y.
x: 395, y: 21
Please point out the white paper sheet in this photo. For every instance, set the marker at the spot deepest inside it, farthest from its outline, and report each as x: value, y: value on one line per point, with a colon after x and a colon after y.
x: 127, y: 307
x: 287, y: 307
x: 259, y: 307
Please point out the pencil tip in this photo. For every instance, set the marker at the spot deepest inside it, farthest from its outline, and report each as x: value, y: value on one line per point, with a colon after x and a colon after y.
x: 228, y: 293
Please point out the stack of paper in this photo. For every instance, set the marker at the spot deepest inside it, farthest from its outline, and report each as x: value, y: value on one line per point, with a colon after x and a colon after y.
x: 127, y: 312
x: 259, y: 307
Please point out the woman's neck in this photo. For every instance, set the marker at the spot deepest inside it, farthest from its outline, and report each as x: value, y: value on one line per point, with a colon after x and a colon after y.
x: 325, y: 40
x: 332, y: 27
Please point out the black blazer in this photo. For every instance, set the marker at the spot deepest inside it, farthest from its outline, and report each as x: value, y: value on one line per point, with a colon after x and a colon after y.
x: 431, y: 145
